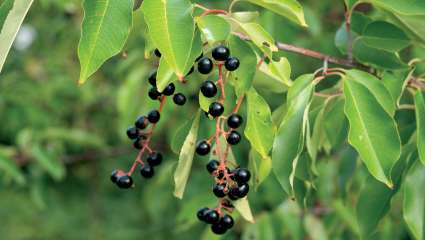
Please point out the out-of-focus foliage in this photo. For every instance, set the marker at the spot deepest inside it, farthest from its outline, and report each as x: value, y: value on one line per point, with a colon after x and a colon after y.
x: 60, y: 141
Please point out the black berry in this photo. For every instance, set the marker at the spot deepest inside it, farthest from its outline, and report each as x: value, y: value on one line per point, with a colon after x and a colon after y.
x: 220, y: 174
x: 212, y: 217
x: 137, y: 144
x: 220, y: 53
x: 114, y: 176
x: 212, y: 165
x: 201, y: 214
x: 219, y: 190
x: 216, y: 109
x: 147, y: 171
x: 208, y: 89
x: 152, y: 78
x: 125, y: 182
x: 169, y: 90
x: 242, y: 175
x: 179, y: 99
x: 233, y: 138
x: 233, y: 193
x: 157, y: 52
x: 203, y: 148
x: 227, y: 221
x: 243, y: 190
x: 153, y: 116
x: 231, y: 64
x: 141, y: 123
x: 205, y: 65
x: 234, y: 121
x: 132, y: 132
x: 153, y: 93
x: 218, y: 228
x: 154, y: 159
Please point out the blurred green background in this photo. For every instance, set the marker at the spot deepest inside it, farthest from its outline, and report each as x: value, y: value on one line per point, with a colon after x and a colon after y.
x: 66, y: 139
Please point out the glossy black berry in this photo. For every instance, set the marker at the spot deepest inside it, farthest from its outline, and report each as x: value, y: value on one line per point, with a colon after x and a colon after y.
x: 152, y: 78
x: 212, y: 216
x: 153, y: 93
x: 190, y: 71
x: 220, y: 53
x: 157, y: 52
x: 233, y: 193
x: 220, y: 174
x: 212, y: 165
x: 147, y: 171
x: 200, y: 56
x: 235, y: 120
x: 169, y: 90
x: 201, y: 214
x: 233, y: 138
x: 218, y: 229
x: 114, y: 176
x: 216, y: 109
x: 242, y: 175
x: 208, y: 89
x: 219, y: 190
x: 154, y: 159
x: 179, y: 99
x: 227, y: 221
x: 243, y: 190
x: 141, y: 122
x: 203, y: 148
x: 137, y: 143
x: 205, y: 66
x: 153, y: 116
x: 132, y: 132
x: 232, y: 64
x: 125, y: 182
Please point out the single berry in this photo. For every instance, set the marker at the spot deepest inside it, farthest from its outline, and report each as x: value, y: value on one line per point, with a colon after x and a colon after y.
x: 153, y: 116
x: 220, y: 53
x: 208, y: 89
x: 154, y: 94
x: 212, y: 216
x: 233, y: 138
x: 243, y: 190
x: 212, y: 165
x: 147, y: 171
x: 169, y: 90
x: 219, y: 190
x: 231, y: 64
x: 234, y: 121
x: 227, y: 221
x: 203, y: 148
x: 218, y: 229
x: 132, y: 132
x: 242, y: 175
x: 157, y: 52
x: 233, y: 193
x: 114, y: 176
x: 179, y: 99
x: 200, y: 56
x: 205, y: 65
x: 154, y: 159
x: 216, y: 109
x: 220, y: 174
x: 137, y: 143
x: 152, y: 78
x: 190, y: 71
x: 125, y: 182
x: 141, y: 123
x: 201, y: 214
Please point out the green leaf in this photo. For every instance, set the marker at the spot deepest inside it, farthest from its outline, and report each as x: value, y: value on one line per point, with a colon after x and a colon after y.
x: 181, y: 175
x: 375, y: 197
x: 373, y: 132
x: 335, y: 123
x: 315, y: 228
x: 106, y: 26
x: 12, y: 14
x: 213, y: 28
x: 165, y: 75
x: 262, y: 229
x: 180, y: 136
x: 260, y: 167
x: 278, y: 70
x: 289, y: 141
x: 242, y: 78
x: 396, y: 82
x: 377, y: 58
x: 420, y: 122
x: 359, y: 22
x: 245, y: 16
x: 9, y: 168
x: 242, y: 206
x: 385, y: 36
x: 48, y: 162
x: 290, y: 9
x: 172, y: 29
x: 259, y: 128
x: 414, y: 201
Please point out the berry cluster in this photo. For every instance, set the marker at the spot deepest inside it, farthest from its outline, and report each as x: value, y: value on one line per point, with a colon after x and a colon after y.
x: 178, y: 98
x: 219, y: 224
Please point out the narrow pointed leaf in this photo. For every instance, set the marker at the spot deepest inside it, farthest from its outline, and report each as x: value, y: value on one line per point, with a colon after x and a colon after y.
x: 242, y: 206
x: 420, y: 122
